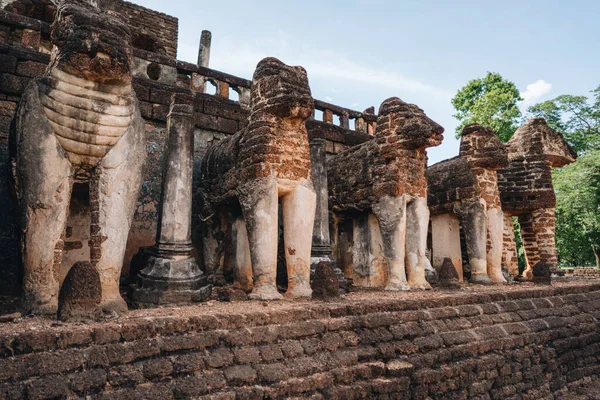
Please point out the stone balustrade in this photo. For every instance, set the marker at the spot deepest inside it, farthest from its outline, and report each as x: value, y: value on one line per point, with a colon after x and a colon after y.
x: 223, y: 83
x: 363, y: 122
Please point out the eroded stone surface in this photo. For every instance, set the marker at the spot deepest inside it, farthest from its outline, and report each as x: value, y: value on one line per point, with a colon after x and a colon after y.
x: 267, y: 161
x: 80, y: 294
x: 494, y: 342
x: 325, y: 283
x: 78, y: 123
x: 466, y: 187
x: 526, y: 191
x: 542, y: 274
x: 384, y: 178
x: 448, y: 276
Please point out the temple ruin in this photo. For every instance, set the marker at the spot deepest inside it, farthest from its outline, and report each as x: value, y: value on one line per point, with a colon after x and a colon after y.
x: 380, y: 210
x: 137, y: 180
x: 526, y: 192
x: 266, y: 161
x: 463, y: 192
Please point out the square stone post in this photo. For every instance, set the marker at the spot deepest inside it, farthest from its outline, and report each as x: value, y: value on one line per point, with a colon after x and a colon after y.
x: 321, y: 241
x: 204, y: 49
x: 169, y: 273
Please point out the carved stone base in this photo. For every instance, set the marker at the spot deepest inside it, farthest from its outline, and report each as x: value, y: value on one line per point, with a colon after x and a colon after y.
x: 168, y: 279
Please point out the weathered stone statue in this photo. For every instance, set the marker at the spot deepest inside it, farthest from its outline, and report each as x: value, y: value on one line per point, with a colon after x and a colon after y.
x: 265, y: 163
x: 526, y: 192
x: 79, y: 123
x: 463, y: 192
x: 378, y: 194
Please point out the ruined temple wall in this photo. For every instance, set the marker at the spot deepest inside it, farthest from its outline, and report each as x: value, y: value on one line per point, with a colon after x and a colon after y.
x: 525, y: 343
x: 24, y: 56
x: 164, y: 28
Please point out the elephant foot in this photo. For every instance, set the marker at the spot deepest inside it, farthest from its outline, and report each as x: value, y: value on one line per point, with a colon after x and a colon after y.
x: 481, y: 279
x: 299, y: 291
x: 421, y: 285
x: 265, y: 292
x: 114, y: 304
x: 243, y: 286
x: 397, y: 286
x: 497, y: 278
x: 50, y: 308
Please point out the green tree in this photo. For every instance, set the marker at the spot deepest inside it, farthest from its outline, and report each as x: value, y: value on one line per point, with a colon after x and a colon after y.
x: 577, y: 189
x: 490, y: 101
x: 577, y: 185
x: 575, y: 117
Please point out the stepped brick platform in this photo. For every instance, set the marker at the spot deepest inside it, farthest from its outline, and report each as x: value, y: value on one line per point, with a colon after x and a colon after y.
x: 515, y: 342
x: 583, y: 272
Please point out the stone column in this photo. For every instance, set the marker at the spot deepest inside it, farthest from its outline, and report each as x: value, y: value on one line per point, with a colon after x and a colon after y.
x: 321, y: 242
x: 204, y: 50
x: 169, y: 273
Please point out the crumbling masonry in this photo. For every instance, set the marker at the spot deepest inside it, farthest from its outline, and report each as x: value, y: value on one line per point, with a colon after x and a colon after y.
x: 266, y: 161
x: 497, y: 342
x: 378, y: 194
x: 526, y: 192
x: 463, y: 192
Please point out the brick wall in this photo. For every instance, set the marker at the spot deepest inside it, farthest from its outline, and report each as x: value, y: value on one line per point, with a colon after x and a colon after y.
x: 164, y: 28
x: 520, y: 344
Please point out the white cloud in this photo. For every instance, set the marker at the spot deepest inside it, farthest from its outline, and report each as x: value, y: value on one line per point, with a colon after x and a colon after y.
x: 328, y: 98
x: 240, y: 58
x: 534, y: 92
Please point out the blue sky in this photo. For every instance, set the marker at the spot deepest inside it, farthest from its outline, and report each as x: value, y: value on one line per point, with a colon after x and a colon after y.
x: 359, y: 52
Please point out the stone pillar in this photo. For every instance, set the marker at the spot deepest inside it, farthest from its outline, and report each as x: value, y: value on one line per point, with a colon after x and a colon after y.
x: 204, y: 50
x: 170, y: 274
x: 321, y: 241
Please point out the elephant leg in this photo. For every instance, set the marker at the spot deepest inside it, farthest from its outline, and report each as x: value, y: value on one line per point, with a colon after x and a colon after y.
x: 544, y: 224
x: 259, y: 201
x: 474, y: 223
x: 44, y: 207
x: 43, y: 184
x: 495, y: 228
x: 417, y: 221
x: 212, y: 250
x: 391, y: 213
x: 298, y: 208
x: 114, y: 190
x: 242, y: 270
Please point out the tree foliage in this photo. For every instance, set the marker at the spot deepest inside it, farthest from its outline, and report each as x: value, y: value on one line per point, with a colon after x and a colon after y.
x: 577, y: 185
x: 577, y: 189
x: 490, y: 101
x: 575, y: 117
